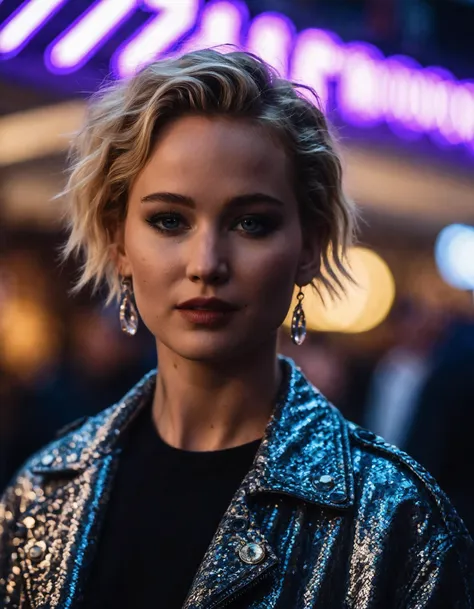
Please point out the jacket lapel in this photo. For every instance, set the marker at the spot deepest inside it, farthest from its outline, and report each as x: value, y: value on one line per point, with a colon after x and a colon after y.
x: 237, y: 557
x: 72, y: 480
x: 305, y: 454
x: 305, y: 451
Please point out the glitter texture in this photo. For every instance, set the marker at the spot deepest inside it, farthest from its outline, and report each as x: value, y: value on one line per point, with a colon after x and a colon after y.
x: 328, y: 516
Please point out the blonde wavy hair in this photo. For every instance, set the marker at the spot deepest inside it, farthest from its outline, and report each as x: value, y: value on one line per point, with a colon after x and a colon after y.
x: 124, y: 118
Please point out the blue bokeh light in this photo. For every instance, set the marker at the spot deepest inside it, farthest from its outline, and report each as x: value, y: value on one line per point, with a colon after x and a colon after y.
x: 454, y: 253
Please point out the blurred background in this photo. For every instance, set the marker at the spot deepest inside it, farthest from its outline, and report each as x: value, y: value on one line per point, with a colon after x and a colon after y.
x: 397, y: 79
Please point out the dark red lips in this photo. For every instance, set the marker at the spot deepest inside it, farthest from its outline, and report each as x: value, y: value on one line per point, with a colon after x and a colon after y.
x: 207, y: 312
x: 207, y: 304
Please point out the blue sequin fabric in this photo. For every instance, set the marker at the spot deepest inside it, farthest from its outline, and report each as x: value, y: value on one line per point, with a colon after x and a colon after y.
x: 329, y: 516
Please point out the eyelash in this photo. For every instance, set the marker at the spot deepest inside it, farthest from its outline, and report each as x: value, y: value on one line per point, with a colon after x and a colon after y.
x: 267, y: 224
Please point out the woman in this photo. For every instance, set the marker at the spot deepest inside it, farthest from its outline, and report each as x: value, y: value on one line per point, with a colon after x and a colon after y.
x: 203, y: 190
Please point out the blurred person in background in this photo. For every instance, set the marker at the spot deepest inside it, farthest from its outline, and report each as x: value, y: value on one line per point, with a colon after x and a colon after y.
x: 203, y: 190
x: 401, y: 373
x: 421, y: 396
x: 440, y: 434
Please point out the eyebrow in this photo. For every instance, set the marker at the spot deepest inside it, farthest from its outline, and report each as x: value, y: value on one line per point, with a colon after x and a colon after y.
x: 247, y: 199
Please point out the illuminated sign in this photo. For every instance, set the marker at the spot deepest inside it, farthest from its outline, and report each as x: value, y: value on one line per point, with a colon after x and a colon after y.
x: 369, y: 88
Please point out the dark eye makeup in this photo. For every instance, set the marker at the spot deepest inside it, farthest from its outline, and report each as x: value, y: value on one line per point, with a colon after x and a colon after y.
x: 257, y: 225
x: 252, y: 225
x: 167, y: 222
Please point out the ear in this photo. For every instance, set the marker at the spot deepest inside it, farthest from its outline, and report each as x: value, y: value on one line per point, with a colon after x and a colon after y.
x: 118, y: 253
x: 309, y: 262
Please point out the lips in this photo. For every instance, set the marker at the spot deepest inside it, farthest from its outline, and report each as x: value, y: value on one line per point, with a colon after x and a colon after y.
x: 207, y: 304
x: 210, y: 312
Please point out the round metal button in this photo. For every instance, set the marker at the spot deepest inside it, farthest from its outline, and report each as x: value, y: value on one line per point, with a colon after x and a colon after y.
x: 324, y: 483
x: 327, y: 481
x: 37, y: 551
x: 252, y: 553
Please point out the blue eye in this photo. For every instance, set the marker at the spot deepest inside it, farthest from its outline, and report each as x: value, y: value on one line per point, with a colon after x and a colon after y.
x: 170, y: 223
x: 165, y: 223
x: 256, y: 226
x: 251, y: 225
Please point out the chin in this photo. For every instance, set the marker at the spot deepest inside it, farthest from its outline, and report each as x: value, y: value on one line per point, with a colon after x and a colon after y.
x: 210, y: 348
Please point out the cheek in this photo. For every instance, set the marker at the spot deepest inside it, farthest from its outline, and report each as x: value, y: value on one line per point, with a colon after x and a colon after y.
x: 151, y: 264
x: 272, y: 271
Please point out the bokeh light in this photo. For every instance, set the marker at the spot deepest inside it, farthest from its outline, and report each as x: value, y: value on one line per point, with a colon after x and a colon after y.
x: 29, y: 336
x: 454, y: 252
x: 364, y: 306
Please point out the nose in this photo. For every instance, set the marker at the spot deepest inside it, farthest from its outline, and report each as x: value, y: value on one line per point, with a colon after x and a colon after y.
x: 208, y: 258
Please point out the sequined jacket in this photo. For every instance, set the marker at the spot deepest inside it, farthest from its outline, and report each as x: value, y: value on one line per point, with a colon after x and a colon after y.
x: 329, y: 516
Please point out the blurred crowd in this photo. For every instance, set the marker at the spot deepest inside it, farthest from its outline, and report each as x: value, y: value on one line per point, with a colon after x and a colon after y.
x: 410, y: 380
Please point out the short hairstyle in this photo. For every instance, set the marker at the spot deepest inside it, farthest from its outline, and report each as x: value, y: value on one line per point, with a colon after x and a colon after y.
x: 124, y: 118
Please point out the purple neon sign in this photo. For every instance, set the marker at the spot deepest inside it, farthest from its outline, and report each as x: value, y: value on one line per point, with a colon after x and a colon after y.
x: 22, y: 25
x: 74, y: 47
x: 171, y: 23
x: 370, y: 88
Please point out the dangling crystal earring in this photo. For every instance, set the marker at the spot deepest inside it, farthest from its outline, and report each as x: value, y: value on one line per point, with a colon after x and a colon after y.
x: 298, y: 321
x: 128, y: 311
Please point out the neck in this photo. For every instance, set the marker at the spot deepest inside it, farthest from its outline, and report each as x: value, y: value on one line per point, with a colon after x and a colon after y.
x: 206, y: 406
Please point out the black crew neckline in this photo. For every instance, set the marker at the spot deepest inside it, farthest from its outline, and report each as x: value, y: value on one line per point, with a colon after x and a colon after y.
x: 144, y: 433
x: 163, y: 512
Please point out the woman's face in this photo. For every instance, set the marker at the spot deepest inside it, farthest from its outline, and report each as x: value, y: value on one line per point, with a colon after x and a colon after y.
x: 213, y: 214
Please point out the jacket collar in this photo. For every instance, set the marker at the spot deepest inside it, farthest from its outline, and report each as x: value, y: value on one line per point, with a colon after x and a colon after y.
x: 304, y: 452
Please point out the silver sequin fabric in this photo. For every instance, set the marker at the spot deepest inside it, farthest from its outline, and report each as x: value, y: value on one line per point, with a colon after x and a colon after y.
x: 329, y: 516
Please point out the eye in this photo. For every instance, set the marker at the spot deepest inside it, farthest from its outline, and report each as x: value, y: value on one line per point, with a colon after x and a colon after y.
x: 257, y: 226
x: 251, y: 225
x: 166, y: 222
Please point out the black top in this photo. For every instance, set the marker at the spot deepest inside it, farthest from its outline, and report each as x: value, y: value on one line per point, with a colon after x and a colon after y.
x: 165, y: 506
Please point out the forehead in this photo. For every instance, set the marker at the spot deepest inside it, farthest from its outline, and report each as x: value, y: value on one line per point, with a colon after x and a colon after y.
x: 219, y: 155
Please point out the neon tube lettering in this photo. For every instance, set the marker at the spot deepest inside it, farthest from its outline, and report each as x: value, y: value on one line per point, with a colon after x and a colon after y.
x: 221, y: 23
x: 461, y: 111
x: 271, y: 36
x: 369, y: 87
x: 80, y: 41
x: 441, y: 91
x: 317, y: 59
x: 22, y: 25
x: 403, y: 87
x: 174, y: 20
x: 359, y: 98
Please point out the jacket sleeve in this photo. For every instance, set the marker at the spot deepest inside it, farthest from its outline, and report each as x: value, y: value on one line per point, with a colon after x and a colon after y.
x: 11, y: 593
x: 445, y: 579
x: 428, y: 554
